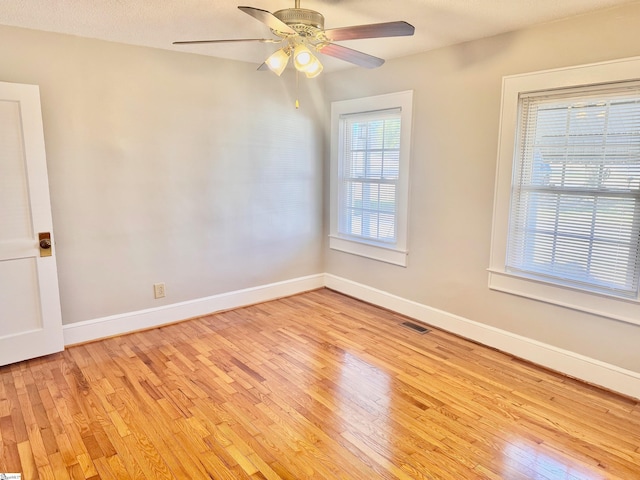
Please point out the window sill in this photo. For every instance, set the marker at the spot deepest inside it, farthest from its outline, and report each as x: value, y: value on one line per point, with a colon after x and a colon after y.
x: 625, y: 310
x: 375, y: 252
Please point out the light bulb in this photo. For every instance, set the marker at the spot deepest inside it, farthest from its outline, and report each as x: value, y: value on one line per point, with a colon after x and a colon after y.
x: 302, y: 57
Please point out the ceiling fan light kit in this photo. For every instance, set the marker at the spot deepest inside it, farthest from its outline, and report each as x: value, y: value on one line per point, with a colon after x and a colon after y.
x: 303, y: 33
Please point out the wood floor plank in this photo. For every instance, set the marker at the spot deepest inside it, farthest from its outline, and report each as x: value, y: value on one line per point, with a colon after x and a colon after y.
x: 314, y: 386
x: 29, y: 468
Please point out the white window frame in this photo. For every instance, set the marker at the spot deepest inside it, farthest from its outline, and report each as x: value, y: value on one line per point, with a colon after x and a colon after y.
x: 627, y: 310
x: 395, y: 253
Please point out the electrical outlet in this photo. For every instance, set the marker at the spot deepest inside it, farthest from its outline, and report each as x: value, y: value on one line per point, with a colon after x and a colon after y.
x: 158, y: 290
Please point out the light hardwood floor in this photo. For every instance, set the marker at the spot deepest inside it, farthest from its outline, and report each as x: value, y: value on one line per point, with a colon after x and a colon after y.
x: 313, y: 386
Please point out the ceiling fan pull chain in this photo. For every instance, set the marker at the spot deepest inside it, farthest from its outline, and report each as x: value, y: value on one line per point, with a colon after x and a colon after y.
x: 297, y: 89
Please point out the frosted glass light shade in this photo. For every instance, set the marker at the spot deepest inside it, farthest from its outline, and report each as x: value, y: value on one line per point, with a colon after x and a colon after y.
x: 314, y: 68
x: 277, y: 62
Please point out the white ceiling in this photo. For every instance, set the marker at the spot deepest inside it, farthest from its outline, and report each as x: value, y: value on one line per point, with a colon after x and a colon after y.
x: 157, y: 23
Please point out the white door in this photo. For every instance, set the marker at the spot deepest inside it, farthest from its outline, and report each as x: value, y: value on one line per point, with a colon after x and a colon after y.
x: 30, y: 319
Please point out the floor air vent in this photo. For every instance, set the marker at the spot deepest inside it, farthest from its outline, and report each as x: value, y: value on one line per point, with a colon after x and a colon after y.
x: 415, y: 327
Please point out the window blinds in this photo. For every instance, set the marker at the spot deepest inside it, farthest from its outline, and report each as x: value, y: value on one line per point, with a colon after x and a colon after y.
x: 369, y: 174
x: 575, y: 206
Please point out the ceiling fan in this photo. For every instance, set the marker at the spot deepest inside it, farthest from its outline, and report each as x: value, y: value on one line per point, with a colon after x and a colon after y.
x: 301, y: 31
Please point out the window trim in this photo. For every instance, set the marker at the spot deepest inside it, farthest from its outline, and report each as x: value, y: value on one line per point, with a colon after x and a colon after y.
x: 396, y: 253
x: 623, y: 309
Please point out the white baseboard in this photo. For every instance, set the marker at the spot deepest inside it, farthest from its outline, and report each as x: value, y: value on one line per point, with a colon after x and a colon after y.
x: 95, y: 329
x: 570, y: 363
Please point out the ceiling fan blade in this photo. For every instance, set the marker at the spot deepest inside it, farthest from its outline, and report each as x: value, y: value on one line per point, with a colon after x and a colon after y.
x: 374, y: 30
x: 349, y: 55
x: 229, y: 40
x: 268, y: 19
x: 263, y: 67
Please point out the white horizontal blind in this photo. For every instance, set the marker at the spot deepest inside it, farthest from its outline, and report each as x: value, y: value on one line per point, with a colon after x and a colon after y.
x: 368, y: 175
x: 575, y: 206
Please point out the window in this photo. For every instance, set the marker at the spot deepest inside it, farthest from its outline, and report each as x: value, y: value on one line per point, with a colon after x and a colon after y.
x: 567, y: 216
x: 368, y: 176
x: 369, y: 179
x: 575, y: 205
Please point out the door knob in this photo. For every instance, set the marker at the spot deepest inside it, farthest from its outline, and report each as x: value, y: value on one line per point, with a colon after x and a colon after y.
x: 44, y: 239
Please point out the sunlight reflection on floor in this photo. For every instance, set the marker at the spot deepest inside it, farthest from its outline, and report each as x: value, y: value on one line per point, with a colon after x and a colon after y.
x: 529, y: 460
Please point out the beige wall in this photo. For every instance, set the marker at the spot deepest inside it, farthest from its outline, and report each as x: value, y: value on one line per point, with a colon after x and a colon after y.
x: 456, y: 117
x: 169, y: 167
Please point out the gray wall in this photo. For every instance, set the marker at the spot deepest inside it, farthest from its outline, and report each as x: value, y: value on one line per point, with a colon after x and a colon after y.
x: 198, y: 172
x: 456, y: 117
x: 170, y: 167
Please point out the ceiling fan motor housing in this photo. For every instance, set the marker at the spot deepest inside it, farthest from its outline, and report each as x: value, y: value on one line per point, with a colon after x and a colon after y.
x: 304, y: 22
